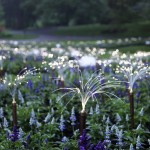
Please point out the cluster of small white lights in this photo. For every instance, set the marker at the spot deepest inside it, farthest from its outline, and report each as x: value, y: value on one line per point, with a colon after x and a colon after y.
x: 142, y: 54
x: 115, y: 53
x: 133, y: 71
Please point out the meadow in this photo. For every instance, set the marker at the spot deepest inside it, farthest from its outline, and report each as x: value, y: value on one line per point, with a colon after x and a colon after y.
x: 70, y: 95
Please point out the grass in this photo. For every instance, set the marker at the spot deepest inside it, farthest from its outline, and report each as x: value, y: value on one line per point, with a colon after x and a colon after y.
x: 10, y: 36
x: 117, y: 30
x: 133, y: 49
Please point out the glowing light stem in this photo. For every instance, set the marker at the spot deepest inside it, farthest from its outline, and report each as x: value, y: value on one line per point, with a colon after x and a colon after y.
x: 14, y: 113
x: 131, y: 100
x: 82, y: 120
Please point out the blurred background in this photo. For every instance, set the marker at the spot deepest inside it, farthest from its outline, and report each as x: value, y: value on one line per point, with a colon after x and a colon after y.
x: 77, y: 17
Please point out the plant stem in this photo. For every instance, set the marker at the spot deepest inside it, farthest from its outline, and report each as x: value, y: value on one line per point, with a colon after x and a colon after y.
x: 82, y: 122
x: 131, y: 100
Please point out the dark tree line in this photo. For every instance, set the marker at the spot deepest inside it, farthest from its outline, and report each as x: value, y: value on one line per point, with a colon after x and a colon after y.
x: 35, y: 13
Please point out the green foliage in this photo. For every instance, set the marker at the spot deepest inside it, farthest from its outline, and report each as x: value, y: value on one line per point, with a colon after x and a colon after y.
x: 115, y: 30
x: 69, y: 13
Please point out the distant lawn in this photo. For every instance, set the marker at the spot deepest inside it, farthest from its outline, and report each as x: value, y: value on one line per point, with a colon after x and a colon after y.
x: 132, y: 49
x: 10, y: 36
x: 115, y: 30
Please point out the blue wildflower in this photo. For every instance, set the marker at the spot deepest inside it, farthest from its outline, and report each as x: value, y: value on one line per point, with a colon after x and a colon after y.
x: 52, y: 110
x: 73, y: 117
x: 14, y: 136
x: 1, y: 113
x: 131, y: 147
x: 5, y: 123
x: 62, y: 125
x: 33, y: 120
x: 91, y: 111
x: 47, y: 118
x: 107, y: 135
x: 20, y: 97
x: 97, y: 110
x: 53, y: 120
x: 138, y: 143
x: 104, y: 118
x: 141, y: 113
x: 138, y: 127
x: 21, y: 133
x: 118, y: 118
x: 107, y: 121
x: 119, y: 138
x: 84, y: 141
x: 65, y: 139
x: 100, y: 146
x: 30, y: 84
x: 38, y: 124
x: 113, y: 128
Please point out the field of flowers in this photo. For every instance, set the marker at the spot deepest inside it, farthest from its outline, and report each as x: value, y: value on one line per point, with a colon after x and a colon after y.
x: 74, y: 95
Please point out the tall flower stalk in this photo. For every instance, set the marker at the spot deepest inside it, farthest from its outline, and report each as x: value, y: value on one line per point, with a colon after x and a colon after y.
x: 132, y: 72
x: 88, y: 89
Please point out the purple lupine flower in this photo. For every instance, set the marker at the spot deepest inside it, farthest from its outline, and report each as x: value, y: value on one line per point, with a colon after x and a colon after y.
x: 138, y: 127
x: 28, y: 137
x: 65, y: 139
x: 100, y: 146
x: 46, y: 140
x: 73, y: 117
x: 107, y: 135
x: 32, y: 120
x: 141, y: 113
x: 52, y: 110
x: 37, y: 90
x: 1, y: 113
x: 5, y: 123
x: 97, y: 110
x: 118, y: 118
x: 30, y: 84
x: 53, y: 120
x: 113, y: 128
x: 47, y: 118
x: 84, y: 141
x: 119, y: 93
x: 107, y: 121
x: 62, y: 125
x: 119, y: 138
x: 21, y: 133
x: 14, y: 136
x: 91, y: 111
x: 131, y: 147
x: 104, y: 118
x: 138, y: 143
x: 38, y: 124
x: 20, y: 97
